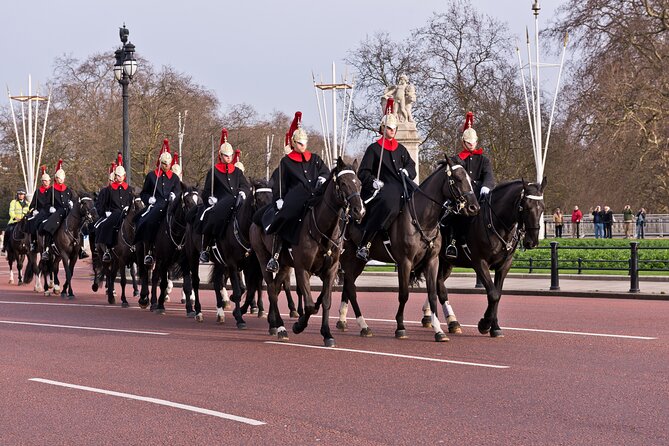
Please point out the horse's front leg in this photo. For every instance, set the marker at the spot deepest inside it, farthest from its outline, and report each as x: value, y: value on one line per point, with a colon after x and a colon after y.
x: 326, y: 301
x: 303, y: 290
x: 289, y: 297
x: 352, y: 269
x: 483, y: 272
x: 444, y: 273
x: 431, y: 273
x: 19, y: 266
x: 109, y: 280
x: 155, y: 278
x: 237, y: 292
x: 276, y: 325
x: 123, y: 281
x: 403, y: 274
x: 160, y: 308
x: 68, y: 278
x: 500, y: 275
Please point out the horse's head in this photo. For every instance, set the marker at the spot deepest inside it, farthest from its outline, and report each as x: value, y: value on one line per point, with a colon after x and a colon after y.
x: 190, y: 198
x: 87, y: 209
x: 459, y: 187
x: 531, y: 209
x: 137, y: 206
x: 262, y: 193
x: 347, y: 188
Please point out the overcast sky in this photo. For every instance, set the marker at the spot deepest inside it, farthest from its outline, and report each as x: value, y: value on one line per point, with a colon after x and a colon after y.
x: 257, y: 52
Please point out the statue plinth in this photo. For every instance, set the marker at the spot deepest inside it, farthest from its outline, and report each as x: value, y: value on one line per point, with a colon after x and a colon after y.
x: 407, y: 135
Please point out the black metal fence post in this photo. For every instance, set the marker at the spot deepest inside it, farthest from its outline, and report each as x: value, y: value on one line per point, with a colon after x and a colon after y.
x: 555, y: 278
x: 634, y: 267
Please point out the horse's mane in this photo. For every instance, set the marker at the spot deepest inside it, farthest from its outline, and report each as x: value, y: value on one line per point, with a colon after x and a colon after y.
x: 258, y: 183
x: 503, y: 186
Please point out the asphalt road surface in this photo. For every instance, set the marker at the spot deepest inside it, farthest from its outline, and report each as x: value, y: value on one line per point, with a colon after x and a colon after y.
x: 568, y: 371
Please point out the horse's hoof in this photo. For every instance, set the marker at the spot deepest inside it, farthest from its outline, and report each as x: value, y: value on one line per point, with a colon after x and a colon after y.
x: 142, y: 304
x: 426, y: 322
x: 366, y: 332
x: 441, y: 337
x: 273, y: 331
x: 153, y: 307
x: 283, y: 335
x: 254, y: 310
x: 11, y: 281
x: 111, y: 301
x: 401, y: 334
x: 241, y: 325
x: 167, y: 298
x: 95, y: 287
x: 183, y: 300
x: 56, y: 289
x: 454, y: 327
x: 342, y: 325
x: 70, y: 296
x: 160, y: 311
x: 125, y: 305
x: 191, y: 314
x: 135, y: 293
x: 483, y: 326
x: 63, y: 295
x: 227, y: 305
x: 297, y: 328
x: 261, y: 314
x: 496, y: 333
x: 329, y: 342
x: 47, y: 293
x: 220, y: 319
x: 199, y: 317
x: 294, y: 314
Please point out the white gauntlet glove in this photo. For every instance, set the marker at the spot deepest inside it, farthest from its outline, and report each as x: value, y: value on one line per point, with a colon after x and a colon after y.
x: 52, y: 210
x: 377, y: 184
x: 172, y: 196
x: 107, y: 214
x: 404, y: 171
x: 212, y: 200
x: 279, y: 204
x: 71, y: 204
x: 320, y: 181
x: 485, y: 190
x: 35, y: 212
x: 152, y: 200
x: 242, y: 194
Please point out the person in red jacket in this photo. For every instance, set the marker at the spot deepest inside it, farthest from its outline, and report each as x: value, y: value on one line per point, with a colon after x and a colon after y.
x: 576, y: 217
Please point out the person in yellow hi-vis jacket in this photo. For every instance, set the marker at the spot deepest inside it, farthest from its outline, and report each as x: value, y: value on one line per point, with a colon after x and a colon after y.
x: 18, y: 208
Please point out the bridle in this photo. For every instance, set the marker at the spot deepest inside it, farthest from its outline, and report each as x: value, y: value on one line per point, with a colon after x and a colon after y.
x: 521, y: 206
x: 236, y: 230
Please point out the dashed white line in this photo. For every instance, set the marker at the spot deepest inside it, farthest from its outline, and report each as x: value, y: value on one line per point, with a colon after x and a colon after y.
x: 76, y: 327
x: 158, y: 401
x: 394, y: 355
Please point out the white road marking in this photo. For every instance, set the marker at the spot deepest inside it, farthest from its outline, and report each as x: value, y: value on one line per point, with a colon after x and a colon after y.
x: 76, y: 327
x: 394, y: 355
x: 56, y: 304
x: 130, y: 396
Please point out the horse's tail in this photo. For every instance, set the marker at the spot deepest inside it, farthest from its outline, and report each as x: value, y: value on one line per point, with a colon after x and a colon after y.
x: 217, y: 271
x: 30, y: 270
x: 176, y: 271
x: 418, y: 273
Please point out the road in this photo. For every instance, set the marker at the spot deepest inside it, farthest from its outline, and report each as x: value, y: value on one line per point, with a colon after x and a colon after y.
x: 568, y: 371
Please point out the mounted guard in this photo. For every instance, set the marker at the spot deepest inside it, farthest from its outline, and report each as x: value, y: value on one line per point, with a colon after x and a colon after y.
x: 61, y: 204
x: 160, y: 186
x: 299, y: 175
x: 225, y: 189
x: 39, y: 208
x: 117, y: 201
x: 386, y: 172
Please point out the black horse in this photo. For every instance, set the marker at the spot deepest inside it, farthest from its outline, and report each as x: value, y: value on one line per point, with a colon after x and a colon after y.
x: 122, y: 256
x: 415, y: 242
x: 65, y: 246
x: 170, y: 239
x: 18, y: 246
x: 510, y: 213
x: 317, y: 253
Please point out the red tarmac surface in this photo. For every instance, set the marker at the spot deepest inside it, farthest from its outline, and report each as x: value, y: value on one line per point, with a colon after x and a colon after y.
x: 578, y: 371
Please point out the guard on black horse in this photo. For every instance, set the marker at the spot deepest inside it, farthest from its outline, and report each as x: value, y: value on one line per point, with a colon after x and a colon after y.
x: 299, y: 175
x: 225, y: 189
x: 480, y: 171
x: 160, y: 186
x: 117, y: 199
x: 61, y: 203
x: 39, y: 208
x: 387, y: 172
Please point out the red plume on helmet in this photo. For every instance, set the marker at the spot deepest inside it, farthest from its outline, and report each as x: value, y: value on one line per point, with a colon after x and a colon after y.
x: 175, y: 159
x: 236, y: 156
x: 390, y: 103
x: 112, y: 167
x: 297, y: 121
x: 59, y: 165
x: 224, y: 137
x: 469, y: 121
x: 119, y: 159
x: 43, y: 169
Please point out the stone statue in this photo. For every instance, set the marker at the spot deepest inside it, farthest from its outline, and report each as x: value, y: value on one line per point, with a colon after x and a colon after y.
x: 404, y: 95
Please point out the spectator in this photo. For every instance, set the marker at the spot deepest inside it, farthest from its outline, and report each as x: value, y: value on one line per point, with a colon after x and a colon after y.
x: 608, y: 222
x: 558, y: 219
x: 628, y: 220
x: 576, y: 217
x: 640, y: 223
x: 598, y: 221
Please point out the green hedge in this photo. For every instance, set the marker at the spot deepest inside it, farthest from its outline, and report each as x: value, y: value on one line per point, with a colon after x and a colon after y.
x: 597, y: 258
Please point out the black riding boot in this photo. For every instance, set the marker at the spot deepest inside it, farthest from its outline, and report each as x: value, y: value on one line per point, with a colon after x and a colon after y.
x: 273, y: 264
x: 363, y: 249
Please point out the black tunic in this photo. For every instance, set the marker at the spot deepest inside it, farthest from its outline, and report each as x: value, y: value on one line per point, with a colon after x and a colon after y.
x: 228, y: 182
x: 40, y: 203
x: 383, y: 209
x: 116, y: 197
x: 62, y: 197
x: 147, y: 222
x: 479, y: 168
x: 295, y: 182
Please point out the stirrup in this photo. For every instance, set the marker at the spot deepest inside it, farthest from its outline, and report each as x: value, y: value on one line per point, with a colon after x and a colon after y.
x: 204, y: 256
x: 363, y: 253
x: 272, y: 265
x: 148, y: 260
x: 451, y: 251
x: 106, y: 257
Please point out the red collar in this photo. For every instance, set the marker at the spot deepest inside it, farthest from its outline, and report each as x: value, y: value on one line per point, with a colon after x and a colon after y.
x: 43, y: 189
x: 297, y: 156
x: 466, y: 153
x: 158, y: 174
x: 225, y: 168
x: 388, y: 144
x: 59, y: 187
x: 116, y: 185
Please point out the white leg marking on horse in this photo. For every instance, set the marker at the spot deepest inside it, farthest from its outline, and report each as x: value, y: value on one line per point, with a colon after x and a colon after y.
x: 343, y: 310
x: 280, y: 329
x: 361, y: 322
x: 436, y: 324
x: 213, y: 413
x: 448, y: 310
x: 426, y: 308
x: 170, y: 285
x: 220, y: 313
x: 226, y: 296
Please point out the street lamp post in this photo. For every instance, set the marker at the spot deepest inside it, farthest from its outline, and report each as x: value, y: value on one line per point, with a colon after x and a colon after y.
x: 124, y: 69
